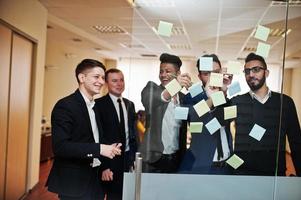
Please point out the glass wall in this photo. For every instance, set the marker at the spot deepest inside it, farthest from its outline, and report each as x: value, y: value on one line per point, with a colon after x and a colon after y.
x: 217, y: 83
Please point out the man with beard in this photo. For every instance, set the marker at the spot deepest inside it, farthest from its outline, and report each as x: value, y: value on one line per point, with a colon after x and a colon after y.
x: 273, y: 116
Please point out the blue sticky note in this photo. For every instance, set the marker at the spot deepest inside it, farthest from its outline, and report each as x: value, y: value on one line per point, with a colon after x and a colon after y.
x: 206, y: 64
x: 195, y: 89
x: 234, y: 88
x: 165, y: 28
x: 181, y: 113
x: 262, y: 33
x: 263, y: 49
x: 218, y: 98
x: 257, y: 132
x: 213, y: 125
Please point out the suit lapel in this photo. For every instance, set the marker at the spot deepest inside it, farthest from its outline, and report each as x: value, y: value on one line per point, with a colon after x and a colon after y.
x: 112, y: 109
x: 99, y: 126
x: 84, y: 110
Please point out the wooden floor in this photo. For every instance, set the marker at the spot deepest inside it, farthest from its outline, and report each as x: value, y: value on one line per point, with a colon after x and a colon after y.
x: 39, y: 192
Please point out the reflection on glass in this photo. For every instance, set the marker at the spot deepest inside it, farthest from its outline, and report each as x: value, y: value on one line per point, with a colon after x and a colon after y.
x: 238, y: 117
x: 165, y: 137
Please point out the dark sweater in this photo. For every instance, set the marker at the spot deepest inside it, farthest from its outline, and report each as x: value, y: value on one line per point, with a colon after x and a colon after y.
x: 260, y: 157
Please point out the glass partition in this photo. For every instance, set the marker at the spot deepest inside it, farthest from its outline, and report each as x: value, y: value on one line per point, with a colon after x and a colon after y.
x: 220, y: 109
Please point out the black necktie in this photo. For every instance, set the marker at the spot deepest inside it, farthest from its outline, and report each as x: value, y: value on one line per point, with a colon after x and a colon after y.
x: 121, y: 123
x: 219, y: 147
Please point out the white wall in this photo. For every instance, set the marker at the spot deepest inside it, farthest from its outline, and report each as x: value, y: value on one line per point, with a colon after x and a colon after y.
x: 60, y: 79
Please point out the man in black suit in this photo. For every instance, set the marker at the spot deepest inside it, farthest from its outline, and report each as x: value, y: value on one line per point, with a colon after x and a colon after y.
x: 118, y: 117
x: 76, y: 137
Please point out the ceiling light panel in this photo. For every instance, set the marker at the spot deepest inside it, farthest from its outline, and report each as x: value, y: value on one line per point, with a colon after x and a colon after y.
x: 278, y: 32
x: 283, y: 3
x: 180, y: 46
x: 177, y: 31
x: 154, y: 3
x: 132, y: 46
x: 251, y: 49
x: 110, y: 29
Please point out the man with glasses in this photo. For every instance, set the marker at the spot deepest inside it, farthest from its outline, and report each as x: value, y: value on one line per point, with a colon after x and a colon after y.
x: 264, y: 119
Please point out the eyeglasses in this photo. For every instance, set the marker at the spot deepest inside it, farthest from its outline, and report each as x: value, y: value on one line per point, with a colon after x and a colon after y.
x: 255, y: 69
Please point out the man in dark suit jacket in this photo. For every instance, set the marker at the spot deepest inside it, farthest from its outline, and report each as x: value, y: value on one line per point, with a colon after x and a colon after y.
x: 76, y: 137
x: 208, y: 152
x: 164, y: 142
x: 118, y: 119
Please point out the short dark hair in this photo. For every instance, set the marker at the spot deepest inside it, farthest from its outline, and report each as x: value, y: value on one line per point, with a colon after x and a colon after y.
x: 253, y: 56
x: 87, y: 64
x: 173, y: 59
x: 110, y: 71
x: 213, y: 56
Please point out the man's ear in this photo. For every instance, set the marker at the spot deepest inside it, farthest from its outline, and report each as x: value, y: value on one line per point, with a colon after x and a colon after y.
x: 266, y: 73
x: 178, y: 72
x: 199, y: 75
x: 81, y: 77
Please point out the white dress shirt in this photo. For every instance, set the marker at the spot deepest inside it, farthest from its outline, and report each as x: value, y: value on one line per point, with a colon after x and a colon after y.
x: 90, y: 105
x: 170, y: 127
x: 261, y: 100
x: 225, y: 146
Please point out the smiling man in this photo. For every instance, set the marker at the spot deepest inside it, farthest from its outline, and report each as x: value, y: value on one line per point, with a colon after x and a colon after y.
x: 164, y: 142
x: 272, y: 111
x: 118, y: 118
x: 77, y: 137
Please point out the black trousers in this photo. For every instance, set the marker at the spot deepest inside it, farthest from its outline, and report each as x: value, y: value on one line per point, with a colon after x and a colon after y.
x: 114, y: 189
x: 168, y: 163
x: 94, y: 192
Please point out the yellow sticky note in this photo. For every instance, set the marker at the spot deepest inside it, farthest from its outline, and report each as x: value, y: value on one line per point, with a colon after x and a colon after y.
x: 173, y: 87
x: 201, y: 108
x: 234, y: 67
x: 263, y: 49
x: 230, y: 112
x: 196, y: 127
x: 165, y: 28
x: 235, y: 161
x: 262, y: 33
x: 216, y: 79
x: 218, y: 98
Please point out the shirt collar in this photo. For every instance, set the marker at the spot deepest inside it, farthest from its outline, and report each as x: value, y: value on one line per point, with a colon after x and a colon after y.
x: 87, y: 101
x: 114, y: 98
x: 262, y: 100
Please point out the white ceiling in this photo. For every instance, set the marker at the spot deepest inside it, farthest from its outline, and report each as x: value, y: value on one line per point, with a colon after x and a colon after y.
x: 224, y: 27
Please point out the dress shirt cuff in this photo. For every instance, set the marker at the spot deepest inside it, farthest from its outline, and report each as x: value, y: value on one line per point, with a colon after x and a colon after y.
x: 163, y: 99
